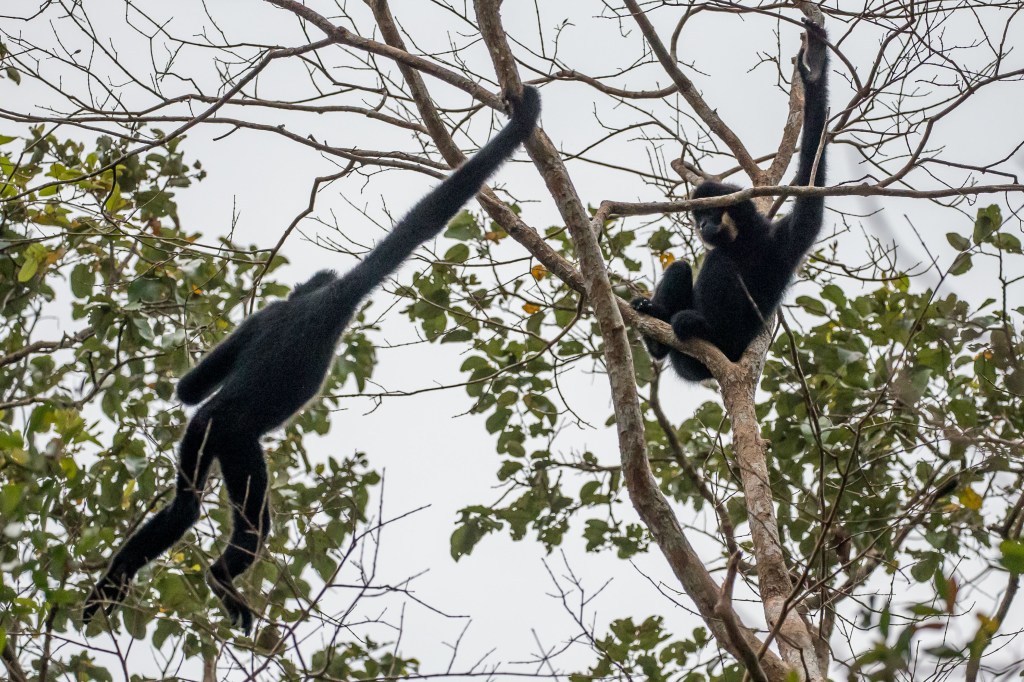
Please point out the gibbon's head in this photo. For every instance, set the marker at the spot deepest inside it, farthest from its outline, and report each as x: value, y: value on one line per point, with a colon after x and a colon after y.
x: 716, y: 226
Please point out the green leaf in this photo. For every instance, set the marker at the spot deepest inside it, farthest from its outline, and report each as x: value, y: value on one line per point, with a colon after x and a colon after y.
x: 13, y: 74
x: 10, y: 497
x: 812, y: 305
x: 457, y: 336
x: 831, y: 292
x: 457, y: 254
x: 115, y: 202
x: 1013, y: 556
x: 924, y: 570
x: 989, y: 220
x: 1006, y: 242
x: 463, y: 227
x: 509, y: 468
x: 35, y: 255
x: 497, y: 421
x: 961, y: 265
x: 958, y: 241
x: 463, y: 540
x: 28, y: 269
x: 588, y: 493
x: 82, y: 278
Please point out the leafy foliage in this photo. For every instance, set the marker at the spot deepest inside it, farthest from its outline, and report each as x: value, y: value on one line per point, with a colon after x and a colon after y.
x: 892, y: 417
x: 107, y: 299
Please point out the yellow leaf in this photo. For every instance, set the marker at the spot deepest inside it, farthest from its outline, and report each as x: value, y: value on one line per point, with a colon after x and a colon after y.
x: 988, y: 625
x: 127, y: 494
x: 28, y: 269
x: 178, y: 557
x: 196, y: 290
x: 495, y: 236
x: 970, y: 499
x: 538, y: 272
x: 666, y: 259
x: 531, y: 307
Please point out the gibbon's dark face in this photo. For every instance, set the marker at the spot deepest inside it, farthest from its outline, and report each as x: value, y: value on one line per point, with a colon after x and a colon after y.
x: 715, y: 227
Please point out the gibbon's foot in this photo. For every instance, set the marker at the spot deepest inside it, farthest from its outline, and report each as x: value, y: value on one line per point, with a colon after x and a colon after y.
x: 235, y: 605
x: 642, y: 305
x: 110, y: 591
x: 646, y: 306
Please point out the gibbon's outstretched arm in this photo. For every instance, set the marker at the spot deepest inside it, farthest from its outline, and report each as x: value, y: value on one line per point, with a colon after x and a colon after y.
x: 804, y: 221
x: 429, y: 216
x: 266, y: 371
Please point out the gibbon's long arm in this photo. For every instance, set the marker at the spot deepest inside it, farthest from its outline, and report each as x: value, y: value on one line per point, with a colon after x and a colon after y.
x: 429, y: 216
x: 809, y: 212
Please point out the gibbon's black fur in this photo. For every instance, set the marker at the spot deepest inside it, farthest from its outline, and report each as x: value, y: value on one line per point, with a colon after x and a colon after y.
x: 750, y: 260
x: 271, y: 366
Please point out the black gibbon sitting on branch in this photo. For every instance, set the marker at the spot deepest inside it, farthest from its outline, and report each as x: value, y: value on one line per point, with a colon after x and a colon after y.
x: 271, y: 366
x: 750, y: 260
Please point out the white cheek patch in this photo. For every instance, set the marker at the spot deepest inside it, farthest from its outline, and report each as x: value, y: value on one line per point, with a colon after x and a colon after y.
x: 731, y: 231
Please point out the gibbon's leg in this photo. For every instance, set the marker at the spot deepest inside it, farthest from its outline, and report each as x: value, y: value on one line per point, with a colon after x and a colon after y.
x: 689, y: 324
x: 204, y: 378
x: 690, y: 368
x: 165, y: 527
x: 673, y: 294
x: 245, y: 476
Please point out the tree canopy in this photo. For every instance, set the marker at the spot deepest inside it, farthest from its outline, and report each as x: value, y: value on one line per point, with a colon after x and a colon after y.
x: 848, y: 495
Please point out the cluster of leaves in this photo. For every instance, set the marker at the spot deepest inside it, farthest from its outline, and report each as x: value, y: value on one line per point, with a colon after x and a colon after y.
x: 364, y: 661
x: 522, y: 332
x: 643, y: 649
x: 911, y: 395
x: 106, y: 300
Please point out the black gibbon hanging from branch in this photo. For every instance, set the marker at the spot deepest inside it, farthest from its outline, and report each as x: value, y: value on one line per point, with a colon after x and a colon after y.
x: 271, y: 366
x: 751, y: 260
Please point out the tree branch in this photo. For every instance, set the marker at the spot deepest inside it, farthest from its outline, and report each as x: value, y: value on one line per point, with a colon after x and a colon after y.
x: 728, y: 615
x: 773, y: 580
x: 46, y: 346
x: 643, y: 489
x: 692, y: 97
